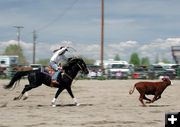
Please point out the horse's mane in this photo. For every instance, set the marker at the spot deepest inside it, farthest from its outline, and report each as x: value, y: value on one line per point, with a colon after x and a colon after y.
x: 74, y: 60
x: 71, y: 61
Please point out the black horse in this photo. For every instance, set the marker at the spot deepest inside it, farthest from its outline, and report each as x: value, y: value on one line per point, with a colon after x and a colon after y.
x: 36, y: 78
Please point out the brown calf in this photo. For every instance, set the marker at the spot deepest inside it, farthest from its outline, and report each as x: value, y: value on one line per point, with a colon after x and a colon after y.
x: 151, y: 88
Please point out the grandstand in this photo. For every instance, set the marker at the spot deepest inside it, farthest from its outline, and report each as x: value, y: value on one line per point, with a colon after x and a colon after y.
x: 176, y: 53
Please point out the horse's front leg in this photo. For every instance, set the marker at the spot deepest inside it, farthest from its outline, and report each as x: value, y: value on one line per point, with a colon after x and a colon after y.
x: 71, y: 94
x: 53, y: 102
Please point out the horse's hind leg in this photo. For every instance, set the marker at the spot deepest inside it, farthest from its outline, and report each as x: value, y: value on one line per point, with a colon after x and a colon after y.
x: 18, y: 97
x: 21, y: 95
x: 26, y: 88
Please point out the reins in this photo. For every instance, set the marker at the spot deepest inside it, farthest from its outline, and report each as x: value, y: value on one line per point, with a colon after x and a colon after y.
x: 70, y: 76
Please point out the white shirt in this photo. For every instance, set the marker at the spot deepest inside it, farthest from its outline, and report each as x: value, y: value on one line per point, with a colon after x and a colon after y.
x: 58, y: 56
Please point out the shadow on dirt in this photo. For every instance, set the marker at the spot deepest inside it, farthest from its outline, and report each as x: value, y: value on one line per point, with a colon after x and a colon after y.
x: 67, y: 105
x: 158, y: 105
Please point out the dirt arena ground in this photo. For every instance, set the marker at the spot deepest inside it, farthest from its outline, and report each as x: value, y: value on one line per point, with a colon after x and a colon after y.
x: 103, y: 104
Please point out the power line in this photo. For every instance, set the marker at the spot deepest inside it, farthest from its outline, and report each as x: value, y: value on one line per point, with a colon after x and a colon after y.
x: 58, y: 17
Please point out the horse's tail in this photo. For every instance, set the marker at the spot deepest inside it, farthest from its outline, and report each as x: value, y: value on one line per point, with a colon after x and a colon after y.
x: 131, y: 91
x: 17, y: 76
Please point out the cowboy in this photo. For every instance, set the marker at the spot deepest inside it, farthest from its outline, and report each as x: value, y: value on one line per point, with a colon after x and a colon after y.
x: 56, y: 59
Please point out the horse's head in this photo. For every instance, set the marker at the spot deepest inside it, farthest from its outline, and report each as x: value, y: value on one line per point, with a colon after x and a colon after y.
x: 79, y: 62
x: 82, y: 66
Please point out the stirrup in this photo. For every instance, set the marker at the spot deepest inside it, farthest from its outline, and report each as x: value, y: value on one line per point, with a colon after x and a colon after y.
x: 55, y: 82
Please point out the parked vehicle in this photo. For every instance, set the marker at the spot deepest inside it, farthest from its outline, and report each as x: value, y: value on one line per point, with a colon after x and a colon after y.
x: 118, y: 70
x: 177, y: 70
x: 158, y: 70
x: 140, y: 72
x: 94, y: 71
x: 115, y: 68
x: 155, y: 71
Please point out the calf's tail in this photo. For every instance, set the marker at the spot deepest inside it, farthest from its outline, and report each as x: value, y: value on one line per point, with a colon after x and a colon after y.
x: 131, y: 91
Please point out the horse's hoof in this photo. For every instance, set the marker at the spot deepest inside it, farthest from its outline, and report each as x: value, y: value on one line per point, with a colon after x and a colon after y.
x: 25, y: 98
x: 53, y: 105
x: 16, y: 98
x: 77, y: 104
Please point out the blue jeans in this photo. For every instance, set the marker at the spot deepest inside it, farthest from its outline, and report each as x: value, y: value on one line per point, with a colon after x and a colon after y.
x: 55, y: 68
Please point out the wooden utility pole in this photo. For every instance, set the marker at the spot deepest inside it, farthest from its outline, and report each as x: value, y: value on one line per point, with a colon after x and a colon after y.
x: 18, y: 33
x: 34, y: 47
x: 102, y: 36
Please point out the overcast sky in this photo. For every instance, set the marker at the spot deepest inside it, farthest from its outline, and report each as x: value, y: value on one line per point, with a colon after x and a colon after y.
x: 148, y: 27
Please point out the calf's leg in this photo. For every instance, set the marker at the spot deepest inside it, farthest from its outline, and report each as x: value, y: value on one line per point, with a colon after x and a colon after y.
x: 156, y: 97
x: 142, y: 95
x: 141, y: 99
x: 148, y: 100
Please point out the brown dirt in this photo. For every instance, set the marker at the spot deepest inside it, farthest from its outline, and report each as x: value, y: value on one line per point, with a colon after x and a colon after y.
x: 103, y: 104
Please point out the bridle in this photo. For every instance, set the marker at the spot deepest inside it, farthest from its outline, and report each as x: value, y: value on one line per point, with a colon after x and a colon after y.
x: 81, y: 68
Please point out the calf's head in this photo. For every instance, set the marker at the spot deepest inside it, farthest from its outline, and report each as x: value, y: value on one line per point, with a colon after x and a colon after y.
x: 166, y: 81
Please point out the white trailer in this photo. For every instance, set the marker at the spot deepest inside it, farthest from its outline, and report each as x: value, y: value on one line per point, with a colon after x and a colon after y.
x: 8, y: 60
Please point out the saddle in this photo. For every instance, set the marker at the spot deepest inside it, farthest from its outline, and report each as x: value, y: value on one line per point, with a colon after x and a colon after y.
x: 50, y: 71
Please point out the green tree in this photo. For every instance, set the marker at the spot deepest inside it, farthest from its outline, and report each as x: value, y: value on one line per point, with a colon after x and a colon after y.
x: 117, y: 57
x: 88, y: 61
x: 44, y: 62
x: 165, y: 60
x: 134, y: 59
x: 14, y: 49
x: 145, y: 61
x: 157, y: 59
